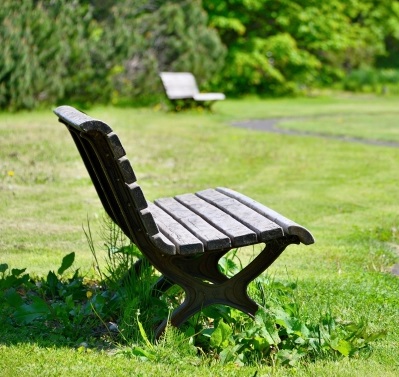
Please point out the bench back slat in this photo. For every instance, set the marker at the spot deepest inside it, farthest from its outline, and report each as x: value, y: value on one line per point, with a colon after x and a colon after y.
x: 179, y: 85
x: 113, y: 177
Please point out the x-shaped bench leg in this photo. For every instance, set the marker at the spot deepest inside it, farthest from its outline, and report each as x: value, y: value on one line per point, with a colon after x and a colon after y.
x: 231, y: 292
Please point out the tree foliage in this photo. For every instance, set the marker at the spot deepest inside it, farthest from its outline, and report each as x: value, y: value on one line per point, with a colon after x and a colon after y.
x: 279, y: 46
x: 174, y: 36
x: 101, y: 51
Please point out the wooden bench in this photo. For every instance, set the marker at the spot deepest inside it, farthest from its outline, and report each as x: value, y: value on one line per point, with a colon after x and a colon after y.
x: 183, y: 86
x: 184, y: 236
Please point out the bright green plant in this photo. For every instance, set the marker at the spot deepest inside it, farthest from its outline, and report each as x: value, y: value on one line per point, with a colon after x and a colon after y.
x: 69, y: 307
x: 280, y: 334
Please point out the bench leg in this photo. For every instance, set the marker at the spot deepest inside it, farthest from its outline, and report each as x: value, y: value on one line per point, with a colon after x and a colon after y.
x: 204, y: 267
x: 231, y: 292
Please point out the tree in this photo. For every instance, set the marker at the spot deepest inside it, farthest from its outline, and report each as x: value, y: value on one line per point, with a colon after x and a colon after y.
x: 172, y: 36
x: 92, y: 51
x: 281, y: 46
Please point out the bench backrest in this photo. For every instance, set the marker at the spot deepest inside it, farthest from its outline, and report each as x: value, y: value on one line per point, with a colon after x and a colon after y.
x: 179, y: 85
x: 114, y: 178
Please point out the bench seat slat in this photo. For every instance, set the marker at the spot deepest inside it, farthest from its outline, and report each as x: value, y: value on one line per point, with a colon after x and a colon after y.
x: 209, y: 97
x: 289, y: 226
x: 212, y: 238
x: 264, y: 228
x: 239, y: 234
x: 185, y: 241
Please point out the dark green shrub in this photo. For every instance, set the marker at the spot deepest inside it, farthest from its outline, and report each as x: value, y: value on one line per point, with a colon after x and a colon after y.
x: 371, y: 80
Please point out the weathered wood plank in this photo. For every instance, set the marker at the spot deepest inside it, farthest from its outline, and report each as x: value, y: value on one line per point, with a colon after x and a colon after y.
x: 261, y: 225
x: 126, y: 170
x: 163, y: 244
x: 185, y: 241
x: 289, y: 226
x: 212, y: 238
x: 137, y: 196
x: 239, y: 234
x: 116, y: 145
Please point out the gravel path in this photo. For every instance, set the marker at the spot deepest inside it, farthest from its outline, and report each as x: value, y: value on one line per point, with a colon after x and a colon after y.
x: 271, y: 125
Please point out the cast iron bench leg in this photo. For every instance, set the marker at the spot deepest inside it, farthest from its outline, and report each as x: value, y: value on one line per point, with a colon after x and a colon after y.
x: 231, y: 292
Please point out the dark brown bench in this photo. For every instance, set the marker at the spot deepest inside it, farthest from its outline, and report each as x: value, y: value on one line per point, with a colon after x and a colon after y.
x: 183, y: 237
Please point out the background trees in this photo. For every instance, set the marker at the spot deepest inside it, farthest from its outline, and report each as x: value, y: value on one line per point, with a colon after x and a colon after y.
x: 88, y: 51
x: 283, y: 46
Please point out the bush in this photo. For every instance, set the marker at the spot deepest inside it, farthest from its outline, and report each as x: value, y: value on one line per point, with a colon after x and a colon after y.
x: 75, y: 52
x: 173, y: 37
x: 371, y: 80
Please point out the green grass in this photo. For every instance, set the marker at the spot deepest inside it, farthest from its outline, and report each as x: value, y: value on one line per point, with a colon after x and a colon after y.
x: 345, y: 193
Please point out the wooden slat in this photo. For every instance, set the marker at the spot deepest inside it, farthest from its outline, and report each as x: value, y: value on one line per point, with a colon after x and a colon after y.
x: 289, y: 226
x: 179, y: 85
x: 163, y: 244
x: 137, y: 196
x: 261, y: 225
x: 126, y: 170
x: 116, y: 145
x: 80, y: 121
x: 185, y: 241
x: 212, y: 238
x: 239, y: 234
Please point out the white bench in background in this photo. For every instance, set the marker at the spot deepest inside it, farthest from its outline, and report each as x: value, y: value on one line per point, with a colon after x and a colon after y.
x: 183, y: 86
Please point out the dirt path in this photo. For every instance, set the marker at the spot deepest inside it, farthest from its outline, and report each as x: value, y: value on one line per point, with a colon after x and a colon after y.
x: 271, y: 125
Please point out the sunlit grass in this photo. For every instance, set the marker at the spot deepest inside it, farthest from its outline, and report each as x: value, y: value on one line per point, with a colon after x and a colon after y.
x: 345, y: 193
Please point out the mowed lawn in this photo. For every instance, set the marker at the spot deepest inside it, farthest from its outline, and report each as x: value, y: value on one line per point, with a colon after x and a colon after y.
x: 345, y: 193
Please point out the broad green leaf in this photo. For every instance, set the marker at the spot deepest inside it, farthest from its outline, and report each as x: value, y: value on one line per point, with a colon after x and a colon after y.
x: 377, y: 335
x: 220, y: 337
x: 67, y: 262
x: 230, y: 354
x: 261, y: 343
x: 13, y: 298
x: 142, y: 353
x: 52, y: 280
x: 290, y: 357
x: 27, y: 313
x: 17, y: 271
x: 283, y: 319
x: 190, y: 332
x: 268, y: 328
x: 342, y: 346
x: 3, y: 267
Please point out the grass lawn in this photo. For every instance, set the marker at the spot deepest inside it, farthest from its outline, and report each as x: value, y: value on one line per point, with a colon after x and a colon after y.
x: 345, y: 193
